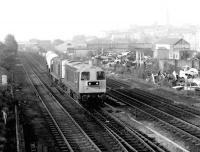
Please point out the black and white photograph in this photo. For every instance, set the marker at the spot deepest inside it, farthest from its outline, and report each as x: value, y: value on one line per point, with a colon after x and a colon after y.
x: 100, y: 76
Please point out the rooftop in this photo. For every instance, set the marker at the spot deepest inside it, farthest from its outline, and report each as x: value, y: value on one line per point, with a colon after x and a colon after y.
x: 169, y: 41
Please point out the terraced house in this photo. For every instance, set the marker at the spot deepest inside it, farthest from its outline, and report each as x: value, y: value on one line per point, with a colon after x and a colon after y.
x: 172, y: 48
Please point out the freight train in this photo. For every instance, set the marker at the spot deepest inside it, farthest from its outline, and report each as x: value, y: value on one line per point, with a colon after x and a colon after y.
x: 83, y: 82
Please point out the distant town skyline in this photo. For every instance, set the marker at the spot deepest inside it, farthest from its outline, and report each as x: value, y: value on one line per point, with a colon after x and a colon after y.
x: 51, y: 19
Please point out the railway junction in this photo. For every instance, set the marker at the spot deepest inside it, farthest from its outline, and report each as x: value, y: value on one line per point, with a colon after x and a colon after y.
x: 131, y: 118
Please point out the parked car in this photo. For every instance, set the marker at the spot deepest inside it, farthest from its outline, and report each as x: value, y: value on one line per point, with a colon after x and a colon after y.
x: 192, y: 86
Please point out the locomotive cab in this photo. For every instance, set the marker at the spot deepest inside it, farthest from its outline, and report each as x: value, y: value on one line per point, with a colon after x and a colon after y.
x: 84, y: 82
x: 92, y: 85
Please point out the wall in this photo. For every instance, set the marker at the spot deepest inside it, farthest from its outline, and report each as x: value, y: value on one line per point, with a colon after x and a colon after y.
x: 161, y: 46
x: 176, y: 55
x: 182, y: 63
x: 162, y: 54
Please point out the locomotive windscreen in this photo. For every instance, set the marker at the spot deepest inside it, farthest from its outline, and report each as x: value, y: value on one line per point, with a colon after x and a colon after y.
x: 85, y: 76
x: 100, y: 75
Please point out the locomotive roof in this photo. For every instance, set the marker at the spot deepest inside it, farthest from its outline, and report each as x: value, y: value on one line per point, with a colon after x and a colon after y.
x: 79, y: 66
x: 76, y: 65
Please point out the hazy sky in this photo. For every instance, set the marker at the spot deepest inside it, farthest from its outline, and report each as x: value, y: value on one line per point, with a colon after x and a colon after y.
x: 51, y: 19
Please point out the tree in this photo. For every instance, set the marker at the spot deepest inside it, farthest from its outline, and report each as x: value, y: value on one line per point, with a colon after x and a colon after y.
x: 11, y: 44
x: 90, y: 54
x: 2, y: 50
x: 57, y: 42
x: 197, y: 55
x: 132, y: 56
x: 169, y: 68
x: 2, y: 47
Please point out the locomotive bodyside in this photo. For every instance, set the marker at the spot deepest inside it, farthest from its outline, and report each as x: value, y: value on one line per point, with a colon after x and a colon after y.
x: 70, y: 79
x: 55, y: 69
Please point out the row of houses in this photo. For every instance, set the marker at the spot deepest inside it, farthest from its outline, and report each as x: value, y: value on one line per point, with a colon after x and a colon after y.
x: 168, y: 48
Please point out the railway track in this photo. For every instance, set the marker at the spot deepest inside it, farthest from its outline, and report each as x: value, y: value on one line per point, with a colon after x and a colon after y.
x: 114, y: 84
x: 68, y: 134
x: 100, y: 137
x: 130, y: 139
x: 168, y: 102
x: 119, y: 85
x: 171, y: 109
x: 187, y: 114
x: 186, y: 131
x: 152, y: 96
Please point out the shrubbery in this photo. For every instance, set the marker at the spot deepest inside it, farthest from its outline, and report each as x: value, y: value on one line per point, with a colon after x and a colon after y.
x: 11, y: 45
x: 8, y: 49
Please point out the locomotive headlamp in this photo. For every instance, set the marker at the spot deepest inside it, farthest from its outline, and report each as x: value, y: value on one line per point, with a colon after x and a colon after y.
x: 93, y: 83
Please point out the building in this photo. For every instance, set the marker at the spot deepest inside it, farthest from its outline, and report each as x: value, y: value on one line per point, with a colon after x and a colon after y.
x: 121, y: 45
x: 99, y: 44
x: 172, y: 48
x: 78, y: 52
x: 73, y: 49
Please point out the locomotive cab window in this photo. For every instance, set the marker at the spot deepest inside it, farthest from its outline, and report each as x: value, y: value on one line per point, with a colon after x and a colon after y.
x: 85, y: 76
x: 100, y: 75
